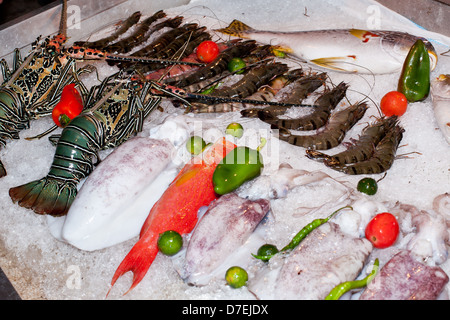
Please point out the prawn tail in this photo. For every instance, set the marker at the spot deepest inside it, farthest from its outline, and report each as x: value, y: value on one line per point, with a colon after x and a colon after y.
x: 45, y: 196
x: 266, y: 116
x: 318, y: 156
x: 138, y: 261
x: 283, y: 133
x: 237, y: 29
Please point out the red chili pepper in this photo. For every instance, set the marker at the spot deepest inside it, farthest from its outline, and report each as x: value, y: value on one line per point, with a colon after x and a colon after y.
x: 68, y: 107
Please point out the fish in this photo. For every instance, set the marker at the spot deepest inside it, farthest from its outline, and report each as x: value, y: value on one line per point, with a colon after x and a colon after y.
x: 176, y: 210
x: 114, y: 201
x: 405, y: 278
x: 440, y: 94
x: 225, y: 227
x: 343, y: 50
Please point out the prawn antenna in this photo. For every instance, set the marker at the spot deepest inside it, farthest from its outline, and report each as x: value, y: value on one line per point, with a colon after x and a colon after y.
x: 63, y: 21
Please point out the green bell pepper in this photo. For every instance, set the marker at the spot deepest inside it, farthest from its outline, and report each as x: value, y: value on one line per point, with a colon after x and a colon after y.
x: 238, y: 166
x: 414, y: 80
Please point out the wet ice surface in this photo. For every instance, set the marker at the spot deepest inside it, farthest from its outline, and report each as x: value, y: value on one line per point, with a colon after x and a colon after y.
x: 42, y: 267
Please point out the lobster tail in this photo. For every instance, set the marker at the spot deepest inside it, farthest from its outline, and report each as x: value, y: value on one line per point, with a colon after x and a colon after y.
x: 55, y: 193
x: 45, y: 196
x: 138, y: 261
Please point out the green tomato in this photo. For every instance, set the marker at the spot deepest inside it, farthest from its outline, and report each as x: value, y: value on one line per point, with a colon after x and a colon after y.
x: 236, y: 64
x: 195, y: 144
x: 235, y: 129
x: 368, y: 186
x: 170, y: 242
x: 267, y: 250
x: 236, y: 277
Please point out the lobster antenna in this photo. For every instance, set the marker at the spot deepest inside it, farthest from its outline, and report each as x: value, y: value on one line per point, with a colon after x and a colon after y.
x: 63, y: 21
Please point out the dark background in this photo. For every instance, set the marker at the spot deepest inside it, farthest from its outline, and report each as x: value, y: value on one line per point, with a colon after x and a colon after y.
x: 14, y: 9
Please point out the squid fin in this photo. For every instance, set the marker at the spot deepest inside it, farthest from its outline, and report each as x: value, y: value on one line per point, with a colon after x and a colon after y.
x: 45, y: 196
x: 138, y: 261
x: 237, y: 29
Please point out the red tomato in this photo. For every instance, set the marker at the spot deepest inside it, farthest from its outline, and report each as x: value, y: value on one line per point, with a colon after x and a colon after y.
x: 207, y: 51
x: 68, y: 107
x: 382, y: 230
x: 393, y: 103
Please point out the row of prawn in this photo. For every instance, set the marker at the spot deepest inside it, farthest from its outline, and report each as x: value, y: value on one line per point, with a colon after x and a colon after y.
x: 374, y: 151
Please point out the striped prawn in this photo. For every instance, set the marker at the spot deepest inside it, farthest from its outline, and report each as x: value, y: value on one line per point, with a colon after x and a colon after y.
x: 264, y: 94
x: 246, y: 86
x: 325, y: 104
x: 363, y: 148
x: 332, y: 134
x: 381, y: 159
x: 301, y: 86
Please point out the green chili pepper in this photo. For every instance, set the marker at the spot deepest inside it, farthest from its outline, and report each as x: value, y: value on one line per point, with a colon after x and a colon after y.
x: 414, y: 80
x: 239, y: 165
x: 302, y: 234
x: 344, y: 287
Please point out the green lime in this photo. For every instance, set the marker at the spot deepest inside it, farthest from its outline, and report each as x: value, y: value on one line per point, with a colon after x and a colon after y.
x: 195, y: 144
x: 368, y: 186
x: 235, y: 129
x: 236, y: 64
x: 170, y: 242
x: 236, y: 277
x: 267, y: 250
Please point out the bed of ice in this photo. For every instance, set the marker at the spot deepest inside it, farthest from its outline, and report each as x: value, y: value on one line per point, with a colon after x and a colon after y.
x: 41, y: 267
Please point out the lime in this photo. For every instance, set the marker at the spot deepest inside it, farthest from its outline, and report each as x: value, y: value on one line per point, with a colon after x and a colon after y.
x: 235, y: 129
x: 170, y: 242
x: 236, y: 277
x: 236, y: 64
x: 267, y: 250
x: 368, y: 186
x: 195, y: 144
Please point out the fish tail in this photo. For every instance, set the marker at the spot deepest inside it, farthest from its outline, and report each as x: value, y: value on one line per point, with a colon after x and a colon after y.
x: 45, y: 196
x: 138, y: 261
x: 237, y: 29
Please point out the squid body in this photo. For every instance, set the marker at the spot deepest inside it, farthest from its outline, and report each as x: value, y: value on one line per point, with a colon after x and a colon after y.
x: 115, y: 199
